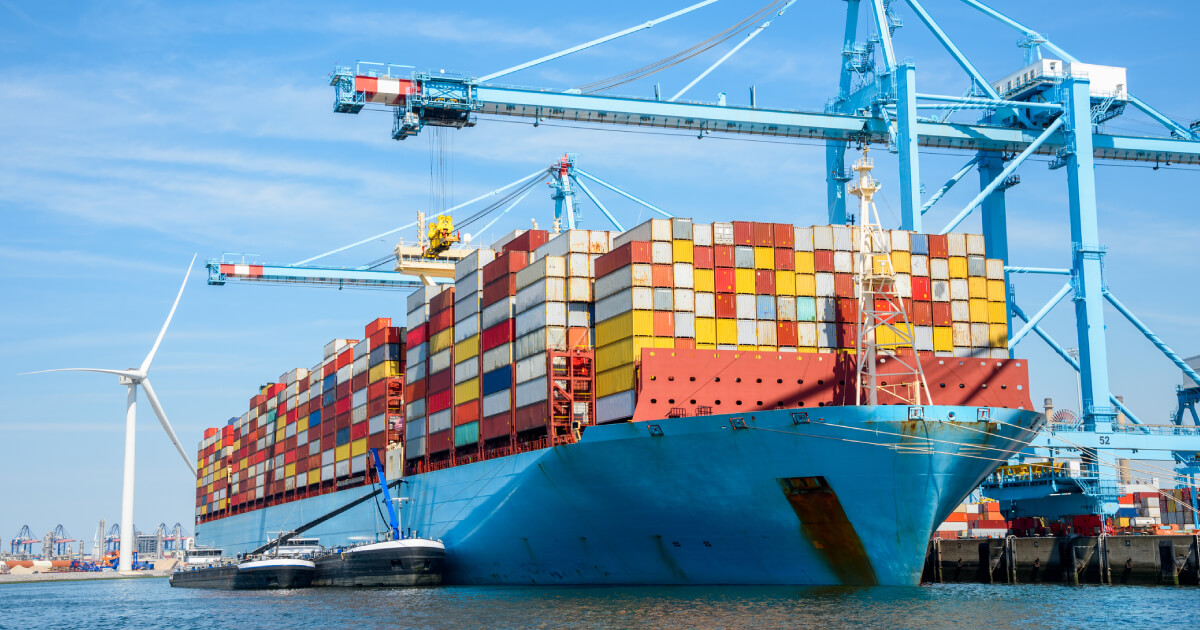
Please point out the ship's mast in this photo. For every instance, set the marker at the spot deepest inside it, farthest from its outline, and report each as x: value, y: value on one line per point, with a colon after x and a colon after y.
x: 887, y: 361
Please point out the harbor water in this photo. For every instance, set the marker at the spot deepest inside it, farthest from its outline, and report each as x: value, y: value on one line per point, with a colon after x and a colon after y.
x: 151, y: 603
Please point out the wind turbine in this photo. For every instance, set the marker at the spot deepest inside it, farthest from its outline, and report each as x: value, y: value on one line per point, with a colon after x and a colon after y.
x: 132, y: 378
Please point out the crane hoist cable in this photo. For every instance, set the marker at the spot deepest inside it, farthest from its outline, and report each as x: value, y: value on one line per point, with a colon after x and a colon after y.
x: 679, y: 57
x: 503, y: 201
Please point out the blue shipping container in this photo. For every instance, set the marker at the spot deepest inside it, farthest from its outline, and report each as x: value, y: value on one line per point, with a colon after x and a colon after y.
x: 919, y: 245
x: 497, y: 380
x: 765, y: 306
x: 343, y: 436
x: 314, y: 418
x: 806, y: 309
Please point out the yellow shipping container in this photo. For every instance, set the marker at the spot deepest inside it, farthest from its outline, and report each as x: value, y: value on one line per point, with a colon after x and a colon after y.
x: 703, y: 279
x: 743, y: 281
x: 995, y: 291
x: 466, y: 348
x: 998, y: 335
x: 631, y: 324
x: 885, y: 335
x: 341, y: 453
x: 806, y: 285
x: 706, y: 331
x: 804, y: 263
x: 746, y: 347
x: 977, y: 287
x: 1123, y: 521
x: 901, y: 262
x: 200, y: 481
x: 621, y: 353
x: 681, y: 251
x: 943, y: 339
x: 358, y: 447
x: 279, y: 434
x: 958, y: 267
x: 877, y: 263
x: 808, y: 349
x: 997, y: 312
x: 726, y: 331
x: 706, y: 346
x: 665, y: 343
x: 387, y: 369
x: 290, y: 470
x: 764, y: 257
x: 466, y: 391
x: 302, y: 424
x: 785, y: 283
x: 615, y: 380
x: 314, y: 476
x: 978, y: 310
x: 441, y: 340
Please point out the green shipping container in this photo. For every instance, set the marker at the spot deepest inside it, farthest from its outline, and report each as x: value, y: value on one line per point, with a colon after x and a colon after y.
x: 466, y: 434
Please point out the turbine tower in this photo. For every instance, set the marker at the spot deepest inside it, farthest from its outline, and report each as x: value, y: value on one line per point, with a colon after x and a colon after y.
x: 132, y: 378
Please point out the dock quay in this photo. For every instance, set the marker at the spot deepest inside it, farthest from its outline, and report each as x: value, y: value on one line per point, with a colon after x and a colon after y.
x: 1110, y: 560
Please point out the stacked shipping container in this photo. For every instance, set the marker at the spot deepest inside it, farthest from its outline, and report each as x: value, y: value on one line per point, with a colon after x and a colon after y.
x: 309, y: 433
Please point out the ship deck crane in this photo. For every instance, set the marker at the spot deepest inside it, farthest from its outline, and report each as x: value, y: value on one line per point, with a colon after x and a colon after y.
x: 1051, y: 107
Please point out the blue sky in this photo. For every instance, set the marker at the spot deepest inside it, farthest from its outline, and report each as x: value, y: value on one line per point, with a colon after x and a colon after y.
x: 138, y: 133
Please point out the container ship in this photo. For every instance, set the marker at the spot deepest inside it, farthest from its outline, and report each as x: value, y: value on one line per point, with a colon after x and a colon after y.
x: 674, y: 404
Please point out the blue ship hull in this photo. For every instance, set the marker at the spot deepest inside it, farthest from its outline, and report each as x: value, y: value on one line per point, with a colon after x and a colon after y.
x: 834, y: 495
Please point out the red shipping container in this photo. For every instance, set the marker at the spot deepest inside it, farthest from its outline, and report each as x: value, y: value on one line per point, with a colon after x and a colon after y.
x: 726, y: 305
x: 344, y: 358
x: 579, y: 337
x: 328, y: 440
x: 623, y: 256
x: 743, y: 233
x: 378, y: 324
x: 358, y: 430
x: 939, y: 246
x: 302, y: 386
x: 442, y: 301
x: 920, y: 289
x: 499, y: 334
x: 341, y: 391
x: 439, y: 401
x: 440, y: 441
x: 441, y: 321
x: 417, y: 336
x: 922, y: 314
x: 662, y: 276
x: 528, y: 241
x: 531, y: 417
x: 376, y: 407
x: 786, y: 336
x: 725, y: 280
x: 505, y: 286
x: 884, y: 306
x: 823, y: 261
x: 441, y: 381
x: 495, y: 426
x: 329, y: 369
x: 843, y: 285
x: 764, y: 235
x: 847, y: 335
x: 941, y: 314
x: 210, y: 432
x: 664, y: 324
x: 289, y: 457
x: 683, y: 343
x: 702, y: 257
x: 724, y: 256
x: 907, y: 303
x: 785, y: 258
x: 785, y: 235
x: 360, y: 382
x: 343, y: 405
x: 847, y: 310
x: 377, y: 389
x: 292, y: 416
x: 504, y: 264
x: 764, y: 280
x: 466, y: 412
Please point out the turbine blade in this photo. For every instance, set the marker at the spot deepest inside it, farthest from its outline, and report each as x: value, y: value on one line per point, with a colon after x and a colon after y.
x: 154, y: 350
x: 148, y: 389
x: 102, y: 371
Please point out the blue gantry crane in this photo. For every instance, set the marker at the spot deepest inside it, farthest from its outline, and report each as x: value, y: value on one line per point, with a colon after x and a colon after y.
x: 1053, y: 106
x: 22, y: 543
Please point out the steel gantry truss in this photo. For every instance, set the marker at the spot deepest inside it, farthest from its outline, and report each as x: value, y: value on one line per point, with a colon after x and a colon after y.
x: 1052, y: 108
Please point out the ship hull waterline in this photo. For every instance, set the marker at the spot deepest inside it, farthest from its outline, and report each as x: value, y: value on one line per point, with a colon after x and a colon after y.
x: 832, y: 495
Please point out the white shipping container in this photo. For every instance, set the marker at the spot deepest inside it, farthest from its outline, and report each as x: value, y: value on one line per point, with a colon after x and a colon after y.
x: 746, y: 306
x: 531, y: 393
x: 495, y: 313
x: 940, y: 289
x: 652, y: 230
x: 473, y: 262
x: 826, y: 309
x: 376, y: 424
x: 998, y: 353
x: 956, y: 244
x: 825, y: 285
x: 415, y: 409
x: 959, y: 289
x: 924, y: 338
x: 531, y: 368
x: 683, y: 276
x: 843, y: 262
x: 685, y: 300
x: 681, y: 228
x: 566, y: 242
x: 995, y: 269
x: 538, y: 342
x: 747, y: 332
x: 344, y: 374
x: 960, y: 311
x: 979, y: 335
x: 466, y: 328
x: 826, y: 335
x: 722, y: 233
x: 547, y: 267
x: 661, y: 253
x: 903, y: 284
x: 466, y: 370
x: 939, y: 268
x: 579, y: 314
x: 439, y: 421
x: 900, y: 240
x: 635, y: 275
x: 361, y: 349
x: 601, y: 242
x: 804, y: 239
x: 976, y: 266
x: 497, y: 357
x: 579, y: 290
x: 616, y: 407
x: 975, y: 245
x: 326, y: 475
x: 635, y: 298
x: 920, y: 265
x: 414, y: 372
x: 785, y: 308
x: 664, y: 299
x: 702, y: 235
x: 357, y: 399
x: 414, y: 428
x: 439, y: 361
x: 766, y: 334
x: 806, y: 334
x: 706, y: 305
x: 541, y: 316
x: 497, y: 403
x: 360, y: 367
x: 470, y: 283
x: 843, y: 240
x: 541, y: 292
x: 822, y: 237
x: 685, y: 325
x: 961, y: 334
